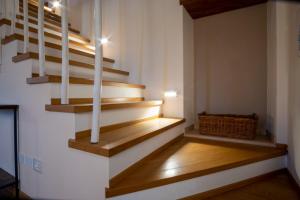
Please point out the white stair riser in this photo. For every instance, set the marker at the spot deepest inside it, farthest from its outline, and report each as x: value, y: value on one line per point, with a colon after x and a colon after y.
x: 55, y: 41
x: 57, y: 53
x: 86, y: 91
x: 51, y: 31
x: 205, y: 183
x: 55, y: 69
x: 125, y: 159
x: 109, y: 117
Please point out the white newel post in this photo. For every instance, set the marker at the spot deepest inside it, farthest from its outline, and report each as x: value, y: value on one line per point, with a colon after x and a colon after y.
x: 26, y: 29
x: 13, y: 17
x: 98, y: 72
x: 65, y: 54
x: 41, y: 38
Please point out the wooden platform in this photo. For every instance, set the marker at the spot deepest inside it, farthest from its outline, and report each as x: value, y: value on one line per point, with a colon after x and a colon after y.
x: 118, y: 140
x: 186, y: 159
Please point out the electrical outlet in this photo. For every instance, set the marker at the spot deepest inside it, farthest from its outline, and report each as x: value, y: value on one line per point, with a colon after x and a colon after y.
x: 37, y: 165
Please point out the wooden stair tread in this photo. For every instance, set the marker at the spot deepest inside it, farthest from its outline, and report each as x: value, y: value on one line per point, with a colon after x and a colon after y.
x: 187, y: 159
x: 73, y: 40
x: 32, y: 55
x: 56, y: 101
x: 118, y: 140
x: 80, y: 108
x: 34, y: 7
x: 36, y: 79
x: 79, y: 50
x: 55, y: 27
x: 21, y: 57
x: 47, y: 19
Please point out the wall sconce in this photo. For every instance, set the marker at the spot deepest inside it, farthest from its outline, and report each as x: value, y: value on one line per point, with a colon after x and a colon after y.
x: 56, y: 4
x: 170, y: 94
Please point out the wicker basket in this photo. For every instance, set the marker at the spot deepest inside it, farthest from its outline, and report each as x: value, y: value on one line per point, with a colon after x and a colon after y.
x: 233, y: 126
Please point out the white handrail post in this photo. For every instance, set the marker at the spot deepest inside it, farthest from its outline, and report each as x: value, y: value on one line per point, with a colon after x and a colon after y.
x: 98, y: 73
x: 26, y: 29
x: 41, y: 38
x: 13, y: 17
x: 17, y: 6
x: 65, y: 54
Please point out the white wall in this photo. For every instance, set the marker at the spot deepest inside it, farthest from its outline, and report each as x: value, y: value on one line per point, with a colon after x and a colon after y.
x: 283, y: 70
x: 231, y: 62
x: 148, y: 42
x: 288, y: 17
x: 189, y: 68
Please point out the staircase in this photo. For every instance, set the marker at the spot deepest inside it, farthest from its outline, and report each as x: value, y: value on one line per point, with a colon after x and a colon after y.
x: 140, y: 155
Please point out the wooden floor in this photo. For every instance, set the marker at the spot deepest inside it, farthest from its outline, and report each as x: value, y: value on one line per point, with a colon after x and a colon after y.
x: 279, y: 187
x: 9, y: 192
x: 189, y: 158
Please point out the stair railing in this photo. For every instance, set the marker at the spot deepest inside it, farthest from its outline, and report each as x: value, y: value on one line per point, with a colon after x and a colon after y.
x: 98, y: 72
x: 41, y: 38
x: 26, y: 26
x: 65, y: 53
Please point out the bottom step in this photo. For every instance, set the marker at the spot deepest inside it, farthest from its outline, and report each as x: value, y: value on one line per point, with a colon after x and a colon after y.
x: 194, y: 163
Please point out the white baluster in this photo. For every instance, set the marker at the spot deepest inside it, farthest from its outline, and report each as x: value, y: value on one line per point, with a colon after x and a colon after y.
x: 41, y: 38
x: 13, y: 17
x: 65, y: 54
x: 26, y: 28
x: 17, y: 6
x: 98, y: 72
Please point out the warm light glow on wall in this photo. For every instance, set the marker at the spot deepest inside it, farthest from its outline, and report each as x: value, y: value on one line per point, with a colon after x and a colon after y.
x: 104, y: 40
x: 56, y: 4
x: 171, y: 93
